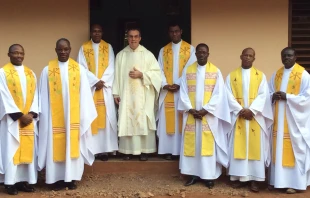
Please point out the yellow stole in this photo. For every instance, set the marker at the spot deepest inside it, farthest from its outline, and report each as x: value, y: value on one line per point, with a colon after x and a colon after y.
x: 24, y: 153
x: 240, y: 147
x: 58, y: 113
x: 103, y: 62
x: 184, y: 55
x: 207, y: 140
x: 293, y: 87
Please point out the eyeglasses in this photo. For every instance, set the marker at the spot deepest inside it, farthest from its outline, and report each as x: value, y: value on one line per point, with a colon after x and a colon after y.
x: 133, y: 36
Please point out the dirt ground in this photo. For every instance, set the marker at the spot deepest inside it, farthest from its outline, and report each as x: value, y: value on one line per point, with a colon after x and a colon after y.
x: 136, y: 185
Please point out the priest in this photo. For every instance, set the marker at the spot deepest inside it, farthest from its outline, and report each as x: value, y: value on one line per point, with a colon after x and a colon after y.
x: 206, y: 119
x: 136, y: 88
x: 172, y: 59
x: 251, y: 114
x: 97, y: 57
x: 66, y: 111
x: 19, y: 110
x: 290, y: 88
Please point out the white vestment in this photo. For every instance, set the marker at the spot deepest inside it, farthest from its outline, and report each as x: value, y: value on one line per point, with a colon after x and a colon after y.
x: 170, y: 143
x: 245, y: 169
x: 71, y: 169
x: 9, y: 136
x: 106, y: 139
x: 136, y: 121
x: 298, y: 115
x: 206, y: 167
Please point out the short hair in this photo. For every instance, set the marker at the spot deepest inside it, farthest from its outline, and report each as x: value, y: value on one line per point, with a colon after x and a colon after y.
x: 289, y: 48
x: 133, y: 28
x: 248, y: 48
x: 62, y: 39
x: 14, y: 45
x: 93, y: 25
x: 202, y: 45
x: 173, y: 24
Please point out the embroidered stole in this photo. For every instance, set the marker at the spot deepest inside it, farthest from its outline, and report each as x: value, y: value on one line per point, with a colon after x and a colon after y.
x: 240, y: 134
x: 25, y: 152
x: 184, y: 55
x: 103, y: 62
x: 293, y: 87
x: 207, y: 140
x: 58, y: 113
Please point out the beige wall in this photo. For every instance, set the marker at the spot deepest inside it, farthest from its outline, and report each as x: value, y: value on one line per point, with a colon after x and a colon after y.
x: 37, y: 24
x: 229, y: 26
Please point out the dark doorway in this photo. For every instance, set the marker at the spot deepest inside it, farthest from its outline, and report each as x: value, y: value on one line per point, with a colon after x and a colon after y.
x: 152, y: 17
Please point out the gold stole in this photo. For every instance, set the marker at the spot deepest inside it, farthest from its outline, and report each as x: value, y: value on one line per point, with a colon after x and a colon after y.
x: 240, y: 147
x: 293, y: 87
x: 58, y: 113
x: 24, y: 153
x: 103, y: 62
x: 207, y: 140
x: 184, y: 55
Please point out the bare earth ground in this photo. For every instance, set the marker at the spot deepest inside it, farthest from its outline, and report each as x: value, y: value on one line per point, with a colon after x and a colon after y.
x: 144, y: 185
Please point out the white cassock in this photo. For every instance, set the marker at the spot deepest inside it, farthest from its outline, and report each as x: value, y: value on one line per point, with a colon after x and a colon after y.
x: 206, y: 167
x: 247, y: 170
x: 9, y: 135
x: 71, y: 169
x: 168, y: 143
x: 136, y: 121
x: 298, y: 115
x: 106, y: 140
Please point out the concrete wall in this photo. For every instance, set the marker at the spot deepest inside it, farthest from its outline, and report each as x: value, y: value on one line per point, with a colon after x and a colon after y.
x: 226, y: 26
x: 230, y: 26
x: 37, y: 24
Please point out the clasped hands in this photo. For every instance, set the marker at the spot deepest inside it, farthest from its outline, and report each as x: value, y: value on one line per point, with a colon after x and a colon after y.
x: 172, y: 88
x: 99, y: 85
x: 279, y: 95
x: 246, y: 114
x: 25, y: 120
x: 198, y: 114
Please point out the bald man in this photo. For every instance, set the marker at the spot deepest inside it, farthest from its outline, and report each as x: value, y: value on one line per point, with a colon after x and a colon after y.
x: 251, y: 114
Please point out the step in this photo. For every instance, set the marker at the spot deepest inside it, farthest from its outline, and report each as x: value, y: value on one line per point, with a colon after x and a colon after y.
x: 154, y: 165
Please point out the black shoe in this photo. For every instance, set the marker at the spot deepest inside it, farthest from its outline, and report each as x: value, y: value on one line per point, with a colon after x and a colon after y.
x: 25, y: 187
x: 210, y: 184
x: 191, y: 181
x: 254, y: 186
x: 104, y: 157
x: 71, y: 185
x: 59, y: 185
x: 168, y: 157
x: 238, y: 184
x: 11, y: 189
x: 126, y: 157
x: 143, y: 157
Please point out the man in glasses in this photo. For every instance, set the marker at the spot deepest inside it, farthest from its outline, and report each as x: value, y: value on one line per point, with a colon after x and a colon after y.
x: 136, y: 88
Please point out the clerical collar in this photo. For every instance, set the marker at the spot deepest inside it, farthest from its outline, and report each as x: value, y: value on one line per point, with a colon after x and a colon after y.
x: 179, y: 43
x: 290, y: 69
x: 18, y: 66
x: 94, y: 42
x: 134, y: 50
x: 63, y: 62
